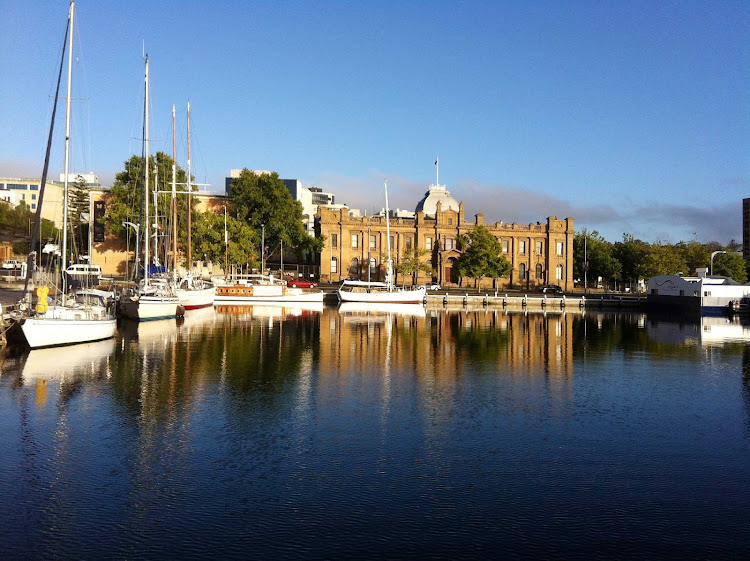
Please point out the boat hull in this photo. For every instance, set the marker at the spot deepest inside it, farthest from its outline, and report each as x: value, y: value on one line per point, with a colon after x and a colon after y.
x: 385, y: 297
x: 281, y: 298
x: 40, y: 331
x: 196, y: 298
x: 146, y: 308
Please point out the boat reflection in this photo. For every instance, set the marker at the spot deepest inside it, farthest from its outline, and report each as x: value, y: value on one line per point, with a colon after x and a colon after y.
x: 383, y: 310
x: 66, y: 361
x: 274, y: 310
x: 703, y: 331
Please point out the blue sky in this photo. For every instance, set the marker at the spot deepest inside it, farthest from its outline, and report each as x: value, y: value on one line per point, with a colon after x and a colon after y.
x: 627, y: 116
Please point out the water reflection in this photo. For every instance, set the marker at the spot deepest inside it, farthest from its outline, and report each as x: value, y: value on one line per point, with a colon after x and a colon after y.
x: 282, y: 425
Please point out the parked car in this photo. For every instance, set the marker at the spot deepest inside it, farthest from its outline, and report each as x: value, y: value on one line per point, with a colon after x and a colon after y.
x: 301, y: 283
x: 11, y: 264
x: 552, y: 289
x: 431, y: 286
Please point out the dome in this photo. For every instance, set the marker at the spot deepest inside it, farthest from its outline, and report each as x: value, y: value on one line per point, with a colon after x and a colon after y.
x: 436, y: 194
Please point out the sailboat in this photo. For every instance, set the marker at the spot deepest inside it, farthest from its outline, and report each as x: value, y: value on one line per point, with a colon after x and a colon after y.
x: 193, y: 292
x: 381, y: 292
x: 69, y: 320
x: 150, y: 299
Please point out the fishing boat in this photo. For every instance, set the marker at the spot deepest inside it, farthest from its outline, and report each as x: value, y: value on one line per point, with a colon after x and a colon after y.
x: 67, y: 320
x: 381, y: 292
x: 255, y: 288
x: 150, y: 299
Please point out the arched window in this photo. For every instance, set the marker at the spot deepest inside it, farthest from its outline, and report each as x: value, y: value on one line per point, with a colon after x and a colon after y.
x: 539, y: 271
x: 522, y: 271
x: 559, y: 272
x: 334, y: 265
x: 354, y: 267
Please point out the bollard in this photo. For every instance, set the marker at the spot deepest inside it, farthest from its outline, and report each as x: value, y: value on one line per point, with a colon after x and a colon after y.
x: 484, y: 303
x: 544, y: 301
x: 445, y: 300
x: 523, y: 302
x: 466, y: 299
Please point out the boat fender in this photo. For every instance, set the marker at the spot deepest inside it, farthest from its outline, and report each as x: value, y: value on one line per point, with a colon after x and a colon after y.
x: 41, y: 305
x: 180, y: 310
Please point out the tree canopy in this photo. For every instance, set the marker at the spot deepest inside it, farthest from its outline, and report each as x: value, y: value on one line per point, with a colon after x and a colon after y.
x: 17, y: 222
x: 411, y: 263
x: 262, y: 200
x: 482, y: 257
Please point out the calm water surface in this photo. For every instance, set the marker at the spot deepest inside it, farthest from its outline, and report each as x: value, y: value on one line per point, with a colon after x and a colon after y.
x: 262, y: 433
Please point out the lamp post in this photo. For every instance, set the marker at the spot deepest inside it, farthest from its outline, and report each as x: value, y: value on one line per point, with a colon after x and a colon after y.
x: 262, y: 248
x: 714, y: 254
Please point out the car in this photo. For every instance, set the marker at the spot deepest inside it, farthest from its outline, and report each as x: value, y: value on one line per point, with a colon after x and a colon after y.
x: 552, y: 289
x: 11, y: 264
x: 301, y: 283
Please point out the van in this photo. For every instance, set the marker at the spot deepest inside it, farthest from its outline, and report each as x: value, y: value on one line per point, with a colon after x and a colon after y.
x: 83, y: 269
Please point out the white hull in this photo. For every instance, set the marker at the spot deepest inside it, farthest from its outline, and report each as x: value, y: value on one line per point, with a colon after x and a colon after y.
x: 280, y: 298
x: 145, y: 308
x: 371, y: 308
x: 395, y: 296
x: 192, y: 299
x: 67, y: 326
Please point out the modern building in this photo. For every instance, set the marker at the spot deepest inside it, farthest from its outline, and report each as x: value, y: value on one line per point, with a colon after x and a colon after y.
x: 539, y: 253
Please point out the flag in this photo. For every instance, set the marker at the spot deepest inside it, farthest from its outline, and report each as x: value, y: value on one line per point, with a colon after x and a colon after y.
x: 437, y: 160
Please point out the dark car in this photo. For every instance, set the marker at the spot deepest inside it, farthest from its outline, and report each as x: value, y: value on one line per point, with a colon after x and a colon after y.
x: 552, y: 289
x: 301, y: 283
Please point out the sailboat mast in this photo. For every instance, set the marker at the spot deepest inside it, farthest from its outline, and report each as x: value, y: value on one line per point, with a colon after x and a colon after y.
x: 174, y: 192
x: 146, y: 186
x: 190, y: 200
x: 389, y: 270
x: 67, y: 155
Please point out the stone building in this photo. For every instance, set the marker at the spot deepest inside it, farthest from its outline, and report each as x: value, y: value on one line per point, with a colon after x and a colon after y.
x: 540, y: 253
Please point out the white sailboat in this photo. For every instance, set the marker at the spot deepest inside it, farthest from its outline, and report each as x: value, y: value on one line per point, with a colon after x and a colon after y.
x: 381, y: 292
x: 193, y: 292
x: 155, y: 299
x: 68, y: 321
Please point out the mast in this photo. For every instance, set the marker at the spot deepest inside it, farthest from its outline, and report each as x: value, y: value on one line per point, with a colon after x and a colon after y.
x: 67, y: 156
x: 146, y: 186
x: 389, y: 270
x: 190, y: 200
x: 174, y: 193
x: 437, y: 173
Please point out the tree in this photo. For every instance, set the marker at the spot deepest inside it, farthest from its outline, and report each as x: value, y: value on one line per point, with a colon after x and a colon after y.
x: 263, y: 200
x: 411, y: 264
x: 599, y: 253
x: 18, y: 222
x: 695, y: 255
x: 731, y: 265
x: 663, y: 259
x: 631, y: 254
x: 208, y: 240
x: 124, y: 200
x: 78, y: 217
x: 482, y: 257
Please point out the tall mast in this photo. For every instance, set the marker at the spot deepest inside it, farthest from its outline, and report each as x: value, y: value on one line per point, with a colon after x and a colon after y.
x: 437, y: 173
x: 67, y: 155
x: 389, y: 270
x: 174, y: 192
x: 147, y: 233
x: 190, y: 200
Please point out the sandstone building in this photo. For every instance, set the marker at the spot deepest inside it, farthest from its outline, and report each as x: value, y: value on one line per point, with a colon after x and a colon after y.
x: 539, y: 254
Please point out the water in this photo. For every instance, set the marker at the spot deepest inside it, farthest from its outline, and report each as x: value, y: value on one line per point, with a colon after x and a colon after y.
x: 265, y: 433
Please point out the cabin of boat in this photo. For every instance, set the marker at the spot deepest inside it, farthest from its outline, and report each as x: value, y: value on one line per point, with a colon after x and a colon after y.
x: 263, y: 288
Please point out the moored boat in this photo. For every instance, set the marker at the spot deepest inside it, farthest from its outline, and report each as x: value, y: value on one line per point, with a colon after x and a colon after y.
x: 263, y: 288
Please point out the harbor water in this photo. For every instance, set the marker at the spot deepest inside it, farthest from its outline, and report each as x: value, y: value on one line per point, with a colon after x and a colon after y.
x: 268, y: 432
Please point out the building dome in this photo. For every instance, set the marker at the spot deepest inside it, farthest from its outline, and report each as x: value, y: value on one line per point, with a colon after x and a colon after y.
x: 436, y: 194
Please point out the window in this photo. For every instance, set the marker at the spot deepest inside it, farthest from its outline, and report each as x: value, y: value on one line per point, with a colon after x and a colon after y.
x: 354, y: 267
x: 355, y: 240
x: 539, y: 248
x: 429, y: 262
x: 392, y: 241
x: 539, y: 271
x: 448, y: 243
x: 506, y: 246
x: 522, y: 271
x: 373, y: 242
x: 559, y: 272
x: 408, y: 243
x: 334, y: 265
x: 334, y: 240
x: 450, y: 222
x: 521, y: 247
x: 33, y: 196
x: 372, y: 264
x: 559, y: 248
x: 428, y: 244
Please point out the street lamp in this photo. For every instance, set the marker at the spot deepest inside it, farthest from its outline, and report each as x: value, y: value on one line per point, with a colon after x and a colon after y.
x: 715, y: 253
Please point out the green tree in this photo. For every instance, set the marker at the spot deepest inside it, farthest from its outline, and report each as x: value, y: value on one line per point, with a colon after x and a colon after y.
x: 78, y: 215
x: 731, y: 265
x: 663, y: 259
x: 124, y: 200
x: 17, y: 222
x: 631, y: 254
x: 695, y: 255
x: 263, y: 200
x: 208, y: 240
x: 411, y: 263
x: 482, y: 257
x: 599, y: 253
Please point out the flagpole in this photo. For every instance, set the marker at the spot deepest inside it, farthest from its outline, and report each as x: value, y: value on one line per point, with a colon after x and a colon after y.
x: 437, y: 164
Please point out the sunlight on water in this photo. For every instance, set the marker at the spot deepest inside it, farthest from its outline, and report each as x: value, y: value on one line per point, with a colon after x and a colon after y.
x: 267, y: 432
